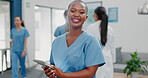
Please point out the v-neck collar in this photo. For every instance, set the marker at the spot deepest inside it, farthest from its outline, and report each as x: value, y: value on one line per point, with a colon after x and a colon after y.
x: 75, y: 42
x: 19, y: 30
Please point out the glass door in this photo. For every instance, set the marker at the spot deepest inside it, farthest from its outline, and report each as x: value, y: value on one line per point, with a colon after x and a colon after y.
x: 46, y: 21
x: 42, y: 32
x: 57, y: 19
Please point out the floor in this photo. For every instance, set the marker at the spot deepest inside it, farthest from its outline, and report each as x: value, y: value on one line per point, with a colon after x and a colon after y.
x: 34, y: 72
x: 37, y: 72
x: 122, y: 75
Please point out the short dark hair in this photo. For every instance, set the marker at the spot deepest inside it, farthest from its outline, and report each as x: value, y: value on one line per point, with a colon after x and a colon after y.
x: 81, y: 2
x: 65, y: 13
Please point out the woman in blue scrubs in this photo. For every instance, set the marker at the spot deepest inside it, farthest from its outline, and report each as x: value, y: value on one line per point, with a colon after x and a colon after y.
x: 75, y: 54
x: 19, y: 35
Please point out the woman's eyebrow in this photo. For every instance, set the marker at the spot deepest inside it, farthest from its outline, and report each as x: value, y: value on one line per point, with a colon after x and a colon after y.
x: 82, y: 9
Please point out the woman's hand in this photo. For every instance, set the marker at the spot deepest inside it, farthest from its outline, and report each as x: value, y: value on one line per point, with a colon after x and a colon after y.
x: 58, y: 72
x: 23, y: 53
x: 49, y: 72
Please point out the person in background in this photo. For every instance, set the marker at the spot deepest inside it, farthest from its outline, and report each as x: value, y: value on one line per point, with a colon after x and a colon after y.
x: 75, y: 54
x: 19, y: 35
x: 106, y: 35
x: 63, y: 28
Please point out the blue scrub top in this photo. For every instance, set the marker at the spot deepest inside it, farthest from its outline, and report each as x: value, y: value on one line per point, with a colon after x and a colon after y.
x: 86, y: 51
x: 60, y: 30
x: 18, y: 39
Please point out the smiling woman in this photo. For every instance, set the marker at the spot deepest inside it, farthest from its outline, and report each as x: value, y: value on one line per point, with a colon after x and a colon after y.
x: 77, y: 14
x: 79, y: 54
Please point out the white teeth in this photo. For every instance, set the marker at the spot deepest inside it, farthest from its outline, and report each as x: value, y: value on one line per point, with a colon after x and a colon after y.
x: 75, y: 20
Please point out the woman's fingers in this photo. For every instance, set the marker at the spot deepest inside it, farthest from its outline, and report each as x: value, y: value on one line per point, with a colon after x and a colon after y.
x: 49, y: 72
x: 45, y: 67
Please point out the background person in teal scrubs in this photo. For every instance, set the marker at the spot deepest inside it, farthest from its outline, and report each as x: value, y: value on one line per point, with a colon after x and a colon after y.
x: 75, y: 54
x: 63, y: 28
x: 19, y: 36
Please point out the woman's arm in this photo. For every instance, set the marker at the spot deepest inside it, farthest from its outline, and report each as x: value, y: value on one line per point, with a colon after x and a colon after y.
x: 88, y: 72
x: 25, y: 48
x: 25, y: 44
x: 112, y: 44
x: 11, y: 42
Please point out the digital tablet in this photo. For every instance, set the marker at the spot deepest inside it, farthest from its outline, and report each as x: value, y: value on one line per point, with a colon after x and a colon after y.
x: 43, y: 63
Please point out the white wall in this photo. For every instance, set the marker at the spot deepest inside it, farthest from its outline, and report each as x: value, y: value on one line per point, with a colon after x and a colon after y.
x: 131, y: 29
x: 28, y: 17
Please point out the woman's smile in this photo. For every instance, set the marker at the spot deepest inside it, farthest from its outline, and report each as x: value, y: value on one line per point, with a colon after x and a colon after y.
x: 76, y: 20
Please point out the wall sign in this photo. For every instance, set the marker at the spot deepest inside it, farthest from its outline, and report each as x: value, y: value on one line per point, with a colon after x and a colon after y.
x: 113, y: 14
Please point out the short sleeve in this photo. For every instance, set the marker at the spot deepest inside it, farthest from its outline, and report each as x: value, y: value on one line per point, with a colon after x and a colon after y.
x: 26, y: 33
x: 94, y: 54
x: 51, y: 59
x: 56, y: 34
x: 51, y: 55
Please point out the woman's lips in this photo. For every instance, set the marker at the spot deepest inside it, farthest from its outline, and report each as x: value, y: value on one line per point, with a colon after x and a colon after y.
x: 75, y: 20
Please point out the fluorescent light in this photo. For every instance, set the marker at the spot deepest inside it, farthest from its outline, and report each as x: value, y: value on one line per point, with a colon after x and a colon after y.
x: 36, y: 7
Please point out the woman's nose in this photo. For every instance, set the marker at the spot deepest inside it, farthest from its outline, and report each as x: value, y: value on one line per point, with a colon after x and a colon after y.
x: 76, y: 14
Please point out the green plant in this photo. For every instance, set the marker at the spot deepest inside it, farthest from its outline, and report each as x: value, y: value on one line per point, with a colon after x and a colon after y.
x: 135, y: 65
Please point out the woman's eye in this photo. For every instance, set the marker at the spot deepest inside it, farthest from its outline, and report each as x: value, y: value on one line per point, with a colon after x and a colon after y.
x: 72, y: 11
x: 82, y: 12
